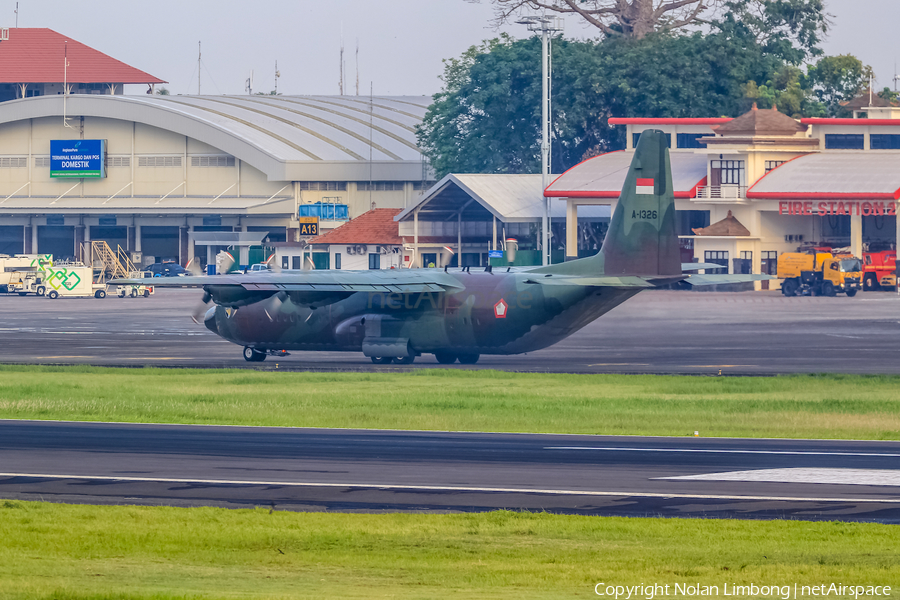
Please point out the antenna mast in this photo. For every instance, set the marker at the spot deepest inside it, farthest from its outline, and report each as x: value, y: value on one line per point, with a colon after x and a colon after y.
x: 341, y: 66
x: 66, y: 85
x: 17, y: 17
x: 277, y: 75
x: 357, y: 66
x: 199, y: 57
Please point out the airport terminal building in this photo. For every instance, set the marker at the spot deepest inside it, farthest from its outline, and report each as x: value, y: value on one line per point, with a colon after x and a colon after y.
x: 164, y: 176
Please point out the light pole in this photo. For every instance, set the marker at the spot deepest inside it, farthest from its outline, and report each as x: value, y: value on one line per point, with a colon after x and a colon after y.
x: 546, y: 26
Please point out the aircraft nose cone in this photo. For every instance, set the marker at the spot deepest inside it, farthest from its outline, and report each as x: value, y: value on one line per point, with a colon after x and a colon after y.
x: 210, y: 320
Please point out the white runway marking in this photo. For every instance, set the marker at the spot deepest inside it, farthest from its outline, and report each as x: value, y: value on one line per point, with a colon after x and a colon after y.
x: 715, y: 451
x: 441, y: 488
x: 801, y: 475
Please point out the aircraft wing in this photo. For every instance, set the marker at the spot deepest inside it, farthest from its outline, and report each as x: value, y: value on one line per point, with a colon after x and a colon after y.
x: 686, y: 267
x: 723, y: 279
x: 405, y: 281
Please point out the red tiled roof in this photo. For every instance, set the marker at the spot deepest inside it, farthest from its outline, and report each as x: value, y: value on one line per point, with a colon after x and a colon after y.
x: 374, y: 227
x: 38, y: 56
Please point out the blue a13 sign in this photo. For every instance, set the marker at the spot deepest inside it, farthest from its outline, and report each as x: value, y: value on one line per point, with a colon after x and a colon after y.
x: 74, y: 159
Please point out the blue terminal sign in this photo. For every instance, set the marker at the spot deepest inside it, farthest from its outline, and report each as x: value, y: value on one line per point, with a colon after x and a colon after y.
x: 74, y: 159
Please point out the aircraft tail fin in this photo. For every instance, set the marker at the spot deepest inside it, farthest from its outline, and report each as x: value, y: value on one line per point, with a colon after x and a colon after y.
x: 641, y: 239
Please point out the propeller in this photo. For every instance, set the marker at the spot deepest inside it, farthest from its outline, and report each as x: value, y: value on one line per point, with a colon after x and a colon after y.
x: 198, y: 315
x: 273, y: 265
x: 273, y: 304
x: 227, y: 262
x: 193, y: 267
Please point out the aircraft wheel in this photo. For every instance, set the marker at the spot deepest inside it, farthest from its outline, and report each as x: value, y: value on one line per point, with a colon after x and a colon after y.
x: 53, y: 295
x: 382, y: 360
x: 405, y: 360
x: 41, y: 290
x: 251, y: 355
x: 445, y: 358
x: 469, y: 359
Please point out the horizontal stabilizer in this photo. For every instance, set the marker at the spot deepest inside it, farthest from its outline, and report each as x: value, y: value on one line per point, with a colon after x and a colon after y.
x: 724, y: 279
x: 608, y: 281
x: 687, y: 267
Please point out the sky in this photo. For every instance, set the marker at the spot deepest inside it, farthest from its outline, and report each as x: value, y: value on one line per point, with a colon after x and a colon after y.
x: 401, y: 42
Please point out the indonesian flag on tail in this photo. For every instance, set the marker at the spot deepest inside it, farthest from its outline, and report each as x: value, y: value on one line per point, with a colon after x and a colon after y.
x: 645, y: 186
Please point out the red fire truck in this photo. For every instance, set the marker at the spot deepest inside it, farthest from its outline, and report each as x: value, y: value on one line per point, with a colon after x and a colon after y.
x: 880, y: 270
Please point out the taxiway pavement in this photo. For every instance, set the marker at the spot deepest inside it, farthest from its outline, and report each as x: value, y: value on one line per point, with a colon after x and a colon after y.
x: 655, y: 332
x: 363, y: 470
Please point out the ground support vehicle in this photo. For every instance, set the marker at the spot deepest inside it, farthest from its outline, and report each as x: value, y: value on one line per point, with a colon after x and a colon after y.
x: 136, y: 291
x: 72, y: 280
x: 27, y: 282
x: 820, y: 274
x: 14, y: 268
x: 880, y: 270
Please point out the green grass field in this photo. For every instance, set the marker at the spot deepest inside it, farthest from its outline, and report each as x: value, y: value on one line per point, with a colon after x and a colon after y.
x: 827, y: 406
x: 87, y: 552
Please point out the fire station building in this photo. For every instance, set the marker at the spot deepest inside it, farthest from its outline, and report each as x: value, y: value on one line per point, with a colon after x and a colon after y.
x: 750, y: 188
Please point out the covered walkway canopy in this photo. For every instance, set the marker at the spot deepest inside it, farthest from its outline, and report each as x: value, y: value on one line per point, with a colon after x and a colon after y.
x: 476, y: 210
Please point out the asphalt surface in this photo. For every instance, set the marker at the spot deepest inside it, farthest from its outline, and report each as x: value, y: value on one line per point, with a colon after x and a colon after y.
x: 655, y: 332
x: 371, y: 471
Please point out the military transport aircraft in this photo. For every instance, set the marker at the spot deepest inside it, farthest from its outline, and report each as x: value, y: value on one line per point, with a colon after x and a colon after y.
x: 460, y: 314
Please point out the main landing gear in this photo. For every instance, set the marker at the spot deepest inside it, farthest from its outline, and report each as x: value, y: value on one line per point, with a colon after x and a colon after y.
x: 254, y: 355
x: 448, y: 358
x: 399, y: 360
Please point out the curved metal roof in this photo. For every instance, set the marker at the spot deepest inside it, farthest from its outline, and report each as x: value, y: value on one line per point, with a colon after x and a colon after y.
x: 862, y: 175
x: 603, y: 176
x: 289, y: 138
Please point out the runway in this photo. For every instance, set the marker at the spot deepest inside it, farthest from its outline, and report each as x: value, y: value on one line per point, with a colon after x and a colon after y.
x: 655, y: 332
x: 372, y: 471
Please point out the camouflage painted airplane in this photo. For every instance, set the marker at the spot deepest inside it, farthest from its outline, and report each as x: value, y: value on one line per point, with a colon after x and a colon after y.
x: 460, y: 314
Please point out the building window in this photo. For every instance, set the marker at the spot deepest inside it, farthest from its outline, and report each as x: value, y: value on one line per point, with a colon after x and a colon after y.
x: 773, y: 164
x: 323, y: 186
x: 716, y: 257
x: 689, y: 220
x: 380, y: 186
x: 42, y: 162
x: 13, y: 162
x: 337, y: 261
x: 843, y: 141
x: 636, y: 136
x: 118, y: 161
x: 159, y: 161
x: 884, y: 141
x: 297, y: 263
x: 374, y: 262
x: 422, y: 185
x: 689, y: 140
x: 769, y: 264
x: 727, y: 172
x: 212, y: 161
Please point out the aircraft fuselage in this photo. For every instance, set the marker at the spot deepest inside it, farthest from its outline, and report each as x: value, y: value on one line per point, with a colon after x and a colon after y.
x: 494, y: 313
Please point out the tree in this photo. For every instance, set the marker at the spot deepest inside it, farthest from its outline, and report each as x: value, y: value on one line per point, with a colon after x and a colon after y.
x: 487, y: 117
x: 789, y: 29
x: 628, y: 18
x: 836, y: 79
x: 163, y: 92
